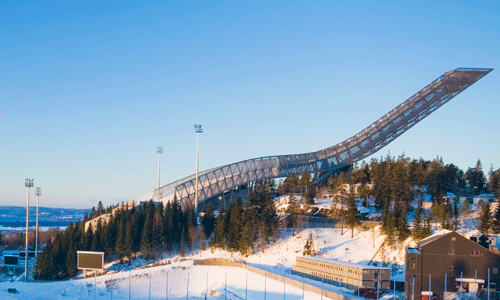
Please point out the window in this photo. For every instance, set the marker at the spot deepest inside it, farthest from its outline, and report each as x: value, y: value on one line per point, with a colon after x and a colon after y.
x: 412, y: 266
x: 451, y: 252
x: 495, y: 270
x: 453, y: 238
x: 475, y: 253
x: 450, y: 268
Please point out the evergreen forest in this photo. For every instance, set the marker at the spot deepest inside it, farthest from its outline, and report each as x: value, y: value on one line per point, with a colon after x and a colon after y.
x: 152, y: 230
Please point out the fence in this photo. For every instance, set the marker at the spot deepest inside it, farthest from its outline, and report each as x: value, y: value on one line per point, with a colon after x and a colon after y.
x: 231, y: 263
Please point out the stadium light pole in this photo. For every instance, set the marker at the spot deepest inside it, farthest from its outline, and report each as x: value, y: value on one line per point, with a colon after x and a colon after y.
x: 38, y: 193
x: 159, y: 150
x: 28, y: 183
x: 198, y: 130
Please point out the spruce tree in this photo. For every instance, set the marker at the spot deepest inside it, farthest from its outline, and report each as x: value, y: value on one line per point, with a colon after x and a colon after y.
x: 309, y: 246
x: 247, y: 230
x: 146, y: 238
x: 352, y: 218
x: 485, y: 219
x: 89, y: 237
x: 220, y: 230
x: 417, y: 224
x: 496, y: 220
x: 427, y: 230
x: 208, y: 221
x: 121, y: 243
x: 235, y: 220
x: 293, y: 212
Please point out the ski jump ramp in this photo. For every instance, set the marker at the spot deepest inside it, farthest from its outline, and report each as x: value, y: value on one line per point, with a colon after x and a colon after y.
x: 218, y: 180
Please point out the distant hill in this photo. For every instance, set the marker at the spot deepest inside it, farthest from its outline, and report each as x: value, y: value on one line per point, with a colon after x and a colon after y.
x: 14, y: 217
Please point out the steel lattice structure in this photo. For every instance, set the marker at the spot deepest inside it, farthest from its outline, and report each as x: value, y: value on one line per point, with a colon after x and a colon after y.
x: 368, y: 141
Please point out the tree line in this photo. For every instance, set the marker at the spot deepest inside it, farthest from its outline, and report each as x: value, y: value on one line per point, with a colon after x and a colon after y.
x: 249, y: 226
x: 395, y: 182
x: 154, y: 229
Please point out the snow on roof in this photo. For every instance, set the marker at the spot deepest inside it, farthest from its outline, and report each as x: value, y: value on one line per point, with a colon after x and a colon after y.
x: 343, y: 263
x: 413, y: 250
x: 433, y: 237
x: 469, y: 280
x: 10, y: 252
x: 450, y: 195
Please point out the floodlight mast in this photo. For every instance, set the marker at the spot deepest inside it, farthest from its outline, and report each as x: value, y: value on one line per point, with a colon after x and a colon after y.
x: 159, y: 150
x: 38, y: 193
x: 198, y: 130
x: 27, y: 183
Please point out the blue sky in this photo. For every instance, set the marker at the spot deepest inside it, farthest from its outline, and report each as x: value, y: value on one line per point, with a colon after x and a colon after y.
x: 88, y: 90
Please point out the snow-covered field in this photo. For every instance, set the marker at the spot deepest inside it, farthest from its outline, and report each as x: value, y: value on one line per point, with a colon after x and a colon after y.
x: 154, y: 280
x: 277, y: 259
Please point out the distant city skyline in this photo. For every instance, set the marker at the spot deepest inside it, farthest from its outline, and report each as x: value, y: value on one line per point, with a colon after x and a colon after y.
x: 89, y: 90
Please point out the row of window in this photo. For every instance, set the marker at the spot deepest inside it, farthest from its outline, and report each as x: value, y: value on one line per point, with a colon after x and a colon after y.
x: 330, y: 266
x: 475, y: 253
x: 331, y: 277
x: 450, y: 268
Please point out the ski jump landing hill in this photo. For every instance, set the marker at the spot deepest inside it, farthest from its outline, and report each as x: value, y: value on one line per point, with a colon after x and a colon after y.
x: 216, y: 181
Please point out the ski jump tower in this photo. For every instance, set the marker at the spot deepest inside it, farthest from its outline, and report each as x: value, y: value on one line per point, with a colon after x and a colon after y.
x: 221, y: 179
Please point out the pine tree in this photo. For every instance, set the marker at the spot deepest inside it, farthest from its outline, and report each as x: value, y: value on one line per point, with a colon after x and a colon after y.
x: 475, y: 178
x: 305, y: 180
x: 127, y: 249
x: 146, y: 239
x: 417, y: 224
x: 220, y: 230
x: 427, y: 228
x: 293, y: 212
x: 234, y: 230
x: 364, y: 193
x: 89, y: 237
x: 388, y: 226
x: 496, y: 220
x: 403, y: 228
x: 485, y: 219
x: 100, y: 208
x: 339, y: 198
x: 121, y: 243
x: 309, y: 246
x: 352, y: 218
x: 96, y: 241
x: 208, y: 221
x: 247, y: 230
x: 494, y: 182
x: 182, y: 246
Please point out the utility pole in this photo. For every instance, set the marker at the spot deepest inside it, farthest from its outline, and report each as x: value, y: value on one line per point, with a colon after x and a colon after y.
x: 159, y: 150
x: 198, y: 130
x: 28, y: 183
x: 38, y: 193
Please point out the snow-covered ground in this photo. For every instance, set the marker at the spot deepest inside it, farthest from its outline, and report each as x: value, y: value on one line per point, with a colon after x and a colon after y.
x: 278, y: 258
x: 184, y: 281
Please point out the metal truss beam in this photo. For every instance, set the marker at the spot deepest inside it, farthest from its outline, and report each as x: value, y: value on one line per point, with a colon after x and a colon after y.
x: 365, y: 143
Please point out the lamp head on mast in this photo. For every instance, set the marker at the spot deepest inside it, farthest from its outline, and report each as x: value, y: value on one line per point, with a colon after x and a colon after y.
x: 197, y: 129
x: 28, y: 182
